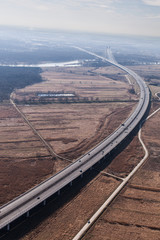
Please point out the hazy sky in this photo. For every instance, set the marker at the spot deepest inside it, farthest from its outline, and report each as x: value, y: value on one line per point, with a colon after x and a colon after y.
x: 141, y: 17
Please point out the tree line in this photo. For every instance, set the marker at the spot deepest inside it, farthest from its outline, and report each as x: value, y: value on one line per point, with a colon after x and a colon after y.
x: 17, y: 77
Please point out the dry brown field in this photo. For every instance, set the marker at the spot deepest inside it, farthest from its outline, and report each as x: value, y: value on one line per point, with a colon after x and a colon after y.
x: 73, y: 129
x: 22, y: 156
x: 151, y: 72
x: 70, y: 129
x: 154, y: 90
x: 87, y: 83
x: 135, y: 212
x: 65, y: 222
x: 147, y: 70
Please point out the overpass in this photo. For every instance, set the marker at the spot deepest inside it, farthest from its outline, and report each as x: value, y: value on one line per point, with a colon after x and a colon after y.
x: 40, y: 193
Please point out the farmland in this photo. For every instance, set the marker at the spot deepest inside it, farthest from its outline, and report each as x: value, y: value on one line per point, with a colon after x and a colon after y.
x: 73, y: 126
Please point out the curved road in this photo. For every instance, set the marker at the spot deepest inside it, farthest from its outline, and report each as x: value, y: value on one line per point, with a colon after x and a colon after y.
x: 157, y: 95
x: 39, y: 194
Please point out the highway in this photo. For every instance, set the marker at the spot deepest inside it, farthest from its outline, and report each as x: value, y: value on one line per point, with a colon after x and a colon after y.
x: 39, y: 194
x: 110, y: 55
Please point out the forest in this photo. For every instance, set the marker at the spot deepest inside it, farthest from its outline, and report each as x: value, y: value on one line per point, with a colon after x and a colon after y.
x: 17, y: 77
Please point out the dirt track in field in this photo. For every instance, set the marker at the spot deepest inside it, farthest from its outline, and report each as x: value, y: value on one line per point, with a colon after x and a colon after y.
x: 26, y: 162
x: 70, y: 129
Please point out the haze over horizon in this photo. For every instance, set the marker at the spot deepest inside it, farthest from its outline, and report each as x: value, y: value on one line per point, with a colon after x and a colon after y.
x: 138, y: 17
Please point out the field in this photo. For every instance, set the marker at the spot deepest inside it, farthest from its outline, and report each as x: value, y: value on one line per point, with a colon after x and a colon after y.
x: 22, y: 155
x: 66, y: 221
x: 151, y: 75
x: 134, y: 214
x: 71, y: 129
x: 87, y: 84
